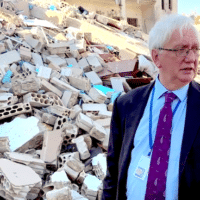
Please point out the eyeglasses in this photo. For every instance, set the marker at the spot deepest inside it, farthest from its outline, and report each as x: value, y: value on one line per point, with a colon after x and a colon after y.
x: 182, y: 52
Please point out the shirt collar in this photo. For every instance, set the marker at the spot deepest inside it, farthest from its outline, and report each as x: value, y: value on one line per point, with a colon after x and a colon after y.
x: 181, y: 93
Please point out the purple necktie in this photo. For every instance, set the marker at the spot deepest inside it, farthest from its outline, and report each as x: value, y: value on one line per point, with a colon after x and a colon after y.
x: 156, y: 184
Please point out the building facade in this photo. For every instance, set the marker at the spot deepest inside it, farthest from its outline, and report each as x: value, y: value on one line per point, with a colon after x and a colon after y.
x: 140, y: 13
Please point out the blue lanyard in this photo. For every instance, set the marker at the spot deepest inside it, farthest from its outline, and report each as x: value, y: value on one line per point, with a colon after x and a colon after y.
x: 150, y: 120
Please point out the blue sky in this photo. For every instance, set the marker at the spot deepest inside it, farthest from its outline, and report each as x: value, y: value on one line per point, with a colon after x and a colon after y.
x: 187, y: 6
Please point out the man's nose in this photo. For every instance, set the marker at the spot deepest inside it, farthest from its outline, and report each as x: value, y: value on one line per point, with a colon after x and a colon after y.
x: 191, y: 55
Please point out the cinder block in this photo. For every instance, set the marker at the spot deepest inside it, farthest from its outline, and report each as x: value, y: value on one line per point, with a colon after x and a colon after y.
x: 13, y: 110
x: 83, y: 64
x: 55, y: 73
x: 2, y: 47
x: 61, y: 122
x: 51, y: 145
x: 25, y: 53
x: 48, y: 119
x: 37, y: 100
x: 94, y: 63
x: 59, y: 110
x: 63, y: 193
x: 62, y: 85
x: 94, y: 78
x: 104, y: 122
x: 75, y: 111
x: 49, y: 87
x: 29, y: 66
x: 54, y: 66
x: 98, y: 132
x: 36, y: 44
x: 9, y: 57
x: 37, y: 59
x: 57, y: 48
x: 56, y: 60
x: 5, y: 96
x: 97, y: 95
x: 82, y: 147
x: 69, y: 98
x: 44, y: 72
x: 4, y: 144
x: 117, y: 83
x: 80, y: 83
x: 72, y: 62
x: 93, y: 107
x: 71, y: 131
x: 84, y: 122
x: 9, y: 44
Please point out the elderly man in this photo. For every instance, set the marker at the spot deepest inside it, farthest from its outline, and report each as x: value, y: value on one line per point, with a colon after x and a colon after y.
x: 154, y: 146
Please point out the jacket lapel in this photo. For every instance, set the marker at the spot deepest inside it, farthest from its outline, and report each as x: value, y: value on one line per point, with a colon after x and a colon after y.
x: 191, y: 123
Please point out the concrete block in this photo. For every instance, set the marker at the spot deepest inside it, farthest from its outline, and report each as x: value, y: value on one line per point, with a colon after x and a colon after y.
x: 71, y: 131
x: 86, y: 98
x: 54, y: 99
x: 75, y: 111
x: 62, y: 85
x: 49, y: 87
x: 54, y: 66
x: 82, y: 147
x: 4, y: 144
x: 57, y: 48
x: 25, y: 53
x: 93, y: 107
x: 37, y: 59
x: 94, y: 63
x: 104, y: 122
x: 48, y: 119
x: 13, y: 110
x: 84, y: 122
x: 83, y: 64
x: 9, y: 44
x: 20, y: 86
x: 80, y: 83
x: 105, y: 114
x: 59, y: 110
x: 36, y: 44
x: 9, y: 57
x: 37, y: 100
x: 106, y: 140
x: 56, y: 74
x: 44, y: 72
x: 97, y: 95
x: 98, y: 132
x: 5, y: 96
x: 51, y: 145
x: 72, y: 62
x: 117, y: 83
x: 29, y: 66
x: 77, y: 196
x: 61, y: 122
x: 2, y: 47
x: 69, y: 98
x: 56, y: 60
x: 18, y: 180
x: 94, y: 78
x: 63, y: 193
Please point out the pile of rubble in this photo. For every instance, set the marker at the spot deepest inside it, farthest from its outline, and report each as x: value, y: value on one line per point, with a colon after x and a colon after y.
x: 57, y: 88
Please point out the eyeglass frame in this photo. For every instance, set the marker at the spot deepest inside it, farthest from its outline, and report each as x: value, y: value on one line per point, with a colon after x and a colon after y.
x: 177, y: 50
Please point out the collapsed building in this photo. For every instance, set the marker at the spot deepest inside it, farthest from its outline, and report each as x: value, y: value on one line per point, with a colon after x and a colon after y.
x: 58, y: 82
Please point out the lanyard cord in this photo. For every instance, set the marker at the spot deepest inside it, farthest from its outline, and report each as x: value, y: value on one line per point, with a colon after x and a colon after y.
x: 150, y: 119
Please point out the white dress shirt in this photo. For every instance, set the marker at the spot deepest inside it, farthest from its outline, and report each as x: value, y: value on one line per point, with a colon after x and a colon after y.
x: 136, y: 188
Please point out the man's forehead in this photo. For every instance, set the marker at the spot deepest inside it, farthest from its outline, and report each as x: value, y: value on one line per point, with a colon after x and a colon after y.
x: 188, y: 38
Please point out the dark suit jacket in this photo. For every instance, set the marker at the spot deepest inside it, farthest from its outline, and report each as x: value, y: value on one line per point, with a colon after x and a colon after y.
x: 127, y: 112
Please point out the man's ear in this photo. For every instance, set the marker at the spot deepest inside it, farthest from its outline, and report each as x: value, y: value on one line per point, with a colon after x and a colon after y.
x: 155, y: 57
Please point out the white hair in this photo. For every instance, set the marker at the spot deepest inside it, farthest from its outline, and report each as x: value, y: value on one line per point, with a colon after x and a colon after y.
x: 161, y: 33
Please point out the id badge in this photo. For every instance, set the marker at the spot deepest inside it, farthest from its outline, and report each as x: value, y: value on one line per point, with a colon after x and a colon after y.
x: 142, y: 167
